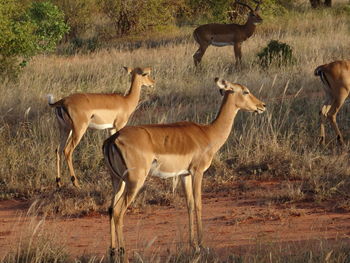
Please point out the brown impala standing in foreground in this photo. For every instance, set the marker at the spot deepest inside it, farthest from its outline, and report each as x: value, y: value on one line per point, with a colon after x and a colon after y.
x: 220, y: 35
x: 80, y: 111
x: 336, y: 79
x: 183, y: 149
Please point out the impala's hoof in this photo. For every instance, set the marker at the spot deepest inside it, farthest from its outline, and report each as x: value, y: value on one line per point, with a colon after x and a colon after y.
x: 121, y: 251
x: 112, y: 252
x: 58, y: 182
x: 204, y: 249
x: 75, y: 182
x: 322, y: 141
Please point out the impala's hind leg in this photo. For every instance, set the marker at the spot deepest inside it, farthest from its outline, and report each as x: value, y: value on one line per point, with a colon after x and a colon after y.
x: 118, y: 192
x: 72, y: 142
x: 119, y: 209
x: 332, y: 116
x: 65, y: 133
x: 323, y: 120
x: 197, y: 57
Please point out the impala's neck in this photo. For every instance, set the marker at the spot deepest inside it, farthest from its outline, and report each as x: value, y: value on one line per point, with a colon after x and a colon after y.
x: 220, y: 128
x: 133, y: 96
x: 249, y: 28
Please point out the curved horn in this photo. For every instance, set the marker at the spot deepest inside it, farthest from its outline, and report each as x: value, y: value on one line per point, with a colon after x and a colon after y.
x: 251, y: 9
x: 258, y: 4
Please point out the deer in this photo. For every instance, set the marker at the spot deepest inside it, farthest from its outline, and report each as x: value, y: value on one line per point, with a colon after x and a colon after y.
x: 80, y: 111
x: 182, y: 149
x: 335, y: 77
x: 220, y: 35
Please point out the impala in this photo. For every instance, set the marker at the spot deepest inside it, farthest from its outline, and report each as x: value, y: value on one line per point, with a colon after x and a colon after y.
x: 183, y: 149
x: 79, y: 111
x: 220, y: 35
x: 336, y: 79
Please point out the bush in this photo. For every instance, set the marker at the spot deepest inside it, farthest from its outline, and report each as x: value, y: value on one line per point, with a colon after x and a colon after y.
x: 26, y: 31
x: 276, y: 53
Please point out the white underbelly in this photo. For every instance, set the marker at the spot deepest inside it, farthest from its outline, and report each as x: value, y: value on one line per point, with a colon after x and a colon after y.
x: 100, y: 126
x: 156, y: 170
x: 221, y: 44
x: 165, y: 175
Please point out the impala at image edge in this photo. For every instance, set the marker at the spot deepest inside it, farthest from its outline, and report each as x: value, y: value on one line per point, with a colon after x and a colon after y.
x: 335, y: 77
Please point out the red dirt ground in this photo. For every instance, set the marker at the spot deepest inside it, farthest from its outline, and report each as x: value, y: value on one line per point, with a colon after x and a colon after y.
x: 232, y: 224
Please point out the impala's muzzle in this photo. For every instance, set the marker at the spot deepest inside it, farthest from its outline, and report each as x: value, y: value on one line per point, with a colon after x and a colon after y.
x: 260, y: 108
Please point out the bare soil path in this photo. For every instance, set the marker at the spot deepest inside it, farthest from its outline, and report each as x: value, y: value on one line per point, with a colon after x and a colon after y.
x: 232, y: 224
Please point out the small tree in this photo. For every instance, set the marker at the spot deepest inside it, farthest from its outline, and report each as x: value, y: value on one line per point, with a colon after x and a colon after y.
x: 26, y: 31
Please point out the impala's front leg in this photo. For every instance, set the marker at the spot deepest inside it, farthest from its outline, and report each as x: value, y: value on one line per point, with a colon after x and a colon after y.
x: 237, y: 48
x: 188, y: 190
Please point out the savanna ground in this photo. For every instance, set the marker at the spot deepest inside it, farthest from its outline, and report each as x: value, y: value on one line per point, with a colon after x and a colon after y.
x: 272, y: 193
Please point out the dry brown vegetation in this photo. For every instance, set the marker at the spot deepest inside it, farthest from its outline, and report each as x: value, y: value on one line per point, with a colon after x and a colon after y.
x: 278, y: 145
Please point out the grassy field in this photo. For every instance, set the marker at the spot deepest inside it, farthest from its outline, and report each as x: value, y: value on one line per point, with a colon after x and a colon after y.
x: 281, y: 144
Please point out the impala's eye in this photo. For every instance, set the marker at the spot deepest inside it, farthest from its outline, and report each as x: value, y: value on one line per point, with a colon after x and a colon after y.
x: 245, y: 92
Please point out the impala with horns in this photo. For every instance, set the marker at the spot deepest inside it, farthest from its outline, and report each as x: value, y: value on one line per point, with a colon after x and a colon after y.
x: 77, y: 112
x: 183, y: 149
x: 335, y: 77
x: 220, y: 35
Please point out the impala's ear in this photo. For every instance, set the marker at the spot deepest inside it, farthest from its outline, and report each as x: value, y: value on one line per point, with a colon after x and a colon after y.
x: 225, y: 86
x: 222, y: 84
x: 146, y: 71
x: 222, y: 92
x: 128, y: 70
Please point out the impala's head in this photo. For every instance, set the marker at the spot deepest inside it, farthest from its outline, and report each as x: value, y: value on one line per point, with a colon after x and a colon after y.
x: 244, y: 100
x: 142, y: 75
x: 253, y: 16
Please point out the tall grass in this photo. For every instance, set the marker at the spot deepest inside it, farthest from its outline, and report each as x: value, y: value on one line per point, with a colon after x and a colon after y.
x: 281, y: 143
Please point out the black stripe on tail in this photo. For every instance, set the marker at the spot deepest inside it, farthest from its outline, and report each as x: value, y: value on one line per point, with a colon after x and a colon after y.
x: 114, y: 158
x: 319, y: 72
x: 63, y: 116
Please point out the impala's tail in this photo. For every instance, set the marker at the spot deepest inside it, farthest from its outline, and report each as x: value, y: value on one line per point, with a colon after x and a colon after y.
x: 320, y: 71
x: 61, y: 112
x: 195, y: 35
x: 50, y: 99
x: 113, y: 158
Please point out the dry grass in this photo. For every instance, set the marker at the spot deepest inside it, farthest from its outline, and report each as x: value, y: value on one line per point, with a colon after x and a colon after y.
x: 280, y: 144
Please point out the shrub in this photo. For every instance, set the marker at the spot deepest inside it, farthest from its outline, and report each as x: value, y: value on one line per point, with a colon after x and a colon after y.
x: 276, y: 53
x: 26, y: 31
